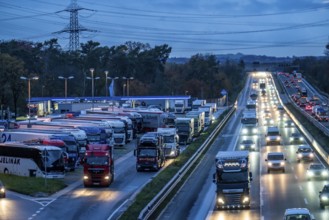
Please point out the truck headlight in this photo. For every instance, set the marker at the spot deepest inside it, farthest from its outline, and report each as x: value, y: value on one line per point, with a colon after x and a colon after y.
x: 269, y: 163
x: 2, y: 190
x: 324, y: 198
x: 242, y: 146
x: 311, y: 155
x: 244, y: 131
x: 85, y: 177
x: 300, y: 155
x: 220, y: 200
x: 245, y: 199
x: 106, y: 177
x: 310, y: 173
x: 268, y: 138
x: 254, y: 130
x: 278, y: 138
x: 324, y: 173
x: 282, y: 163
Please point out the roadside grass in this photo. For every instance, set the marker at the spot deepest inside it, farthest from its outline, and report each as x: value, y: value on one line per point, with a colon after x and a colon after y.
x: 32, y: 186
x: 152, y: 188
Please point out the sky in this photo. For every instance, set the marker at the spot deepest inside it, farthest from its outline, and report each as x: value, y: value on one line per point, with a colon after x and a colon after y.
x: 282, y: 28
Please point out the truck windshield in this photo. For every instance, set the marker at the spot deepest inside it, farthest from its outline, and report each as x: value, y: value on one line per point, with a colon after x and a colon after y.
x: 92, y: 160
x: 72, y: 148
x: 168, y: 139
x: 147, y: 152
x: 93, y: 138
x: 183, y: 128
x: 118, y: 130
x: 233, y: 177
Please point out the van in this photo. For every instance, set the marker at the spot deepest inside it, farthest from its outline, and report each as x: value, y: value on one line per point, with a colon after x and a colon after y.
x: 273, y: 136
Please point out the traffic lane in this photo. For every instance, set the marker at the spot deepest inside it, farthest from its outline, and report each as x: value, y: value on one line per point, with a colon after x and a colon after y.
x: 85, y: 202
x: 16, y: 206
x: 279, y: 191
x: 308, y: 188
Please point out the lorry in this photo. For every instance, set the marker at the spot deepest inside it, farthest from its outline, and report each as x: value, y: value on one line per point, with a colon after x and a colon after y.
x: 180, y: 106
x: 198, y: 103
x: 199, y: 119
x: 232, y: 179
x: 170, y: 140
x: 208, y: 114
x: 213, y: 105
x: 185, y: 130
x: 98, y: 165
x: 150, y: 152
x: 249, y: 122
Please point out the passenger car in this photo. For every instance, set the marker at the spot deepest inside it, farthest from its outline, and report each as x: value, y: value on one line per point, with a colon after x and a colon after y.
x: 248, y: 144
x: 2, y: 190
x: 305, y: 152
x: 317, y: 170
x: 289, y: 123
x: 275, y: 161
x: 298, y: 214
x: 296, y: 138
x: 324, y: 196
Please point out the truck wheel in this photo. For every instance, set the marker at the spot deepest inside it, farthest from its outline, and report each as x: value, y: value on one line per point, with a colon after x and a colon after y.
x: 6, y: 171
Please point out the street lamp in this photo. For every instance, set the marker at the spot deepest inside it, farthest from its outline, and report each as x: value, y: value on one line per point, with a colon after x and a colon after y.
x: 92, y: 85
x: 127, y: 79
x: 106, y: 78
x: 29, y: 92
x: 65, y: 78
x: 123, y: 89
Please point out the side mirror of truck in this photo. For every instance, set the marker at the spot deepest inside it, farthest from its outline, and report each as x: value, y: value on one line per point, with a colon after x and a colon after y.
x: 214, y: 178
x: 250, y: 176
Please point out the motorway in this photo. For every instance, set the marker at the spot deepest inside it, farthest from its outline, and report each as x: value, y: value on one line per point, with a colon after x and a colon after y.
x: 271, y: 193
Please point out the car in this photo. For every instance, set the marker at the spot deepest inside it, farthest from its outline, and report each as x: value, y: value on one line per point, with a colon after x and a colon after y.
x: 305, y: 152
x: 275, y: 161
x: 298, y: 214
x: 289, y: 123
x: 248, y: 144
x: 317, y: 171
x: 268, y: 121
x: 296, y: 138
x: 324, y: 196
x: 2, y: 190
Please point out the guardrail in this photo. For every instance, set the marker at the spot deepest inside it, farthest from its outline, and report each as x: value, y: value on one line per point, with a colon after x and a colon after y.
x: 169, y: 187
x: 309, y: 137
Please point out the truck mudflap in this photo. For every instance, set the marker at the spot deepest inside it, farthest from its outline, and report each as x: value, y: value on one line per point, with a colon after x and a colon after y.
x: 233, y: 200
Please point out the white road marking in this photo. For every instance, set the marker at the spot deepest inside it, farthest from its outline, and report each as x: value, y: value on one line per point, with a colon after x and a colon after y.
x: 301, y: 188
x: 296, y: 177
x: 305, y: 200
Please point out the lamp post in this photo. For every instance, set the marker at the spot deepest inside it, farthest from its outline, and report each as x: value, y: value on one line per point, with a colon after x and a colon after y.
x: 92, y: 85
x: 29, y: 92
x: 65, y: 79
x: 127, y: 82
x: 123, y: 89
x: 106, y: 73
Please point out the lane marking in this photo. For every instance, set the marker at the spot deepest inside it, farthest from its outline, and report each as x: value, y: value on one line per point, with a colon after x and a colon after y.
x: 305, y: 200
x: 300, y: 187
x: 296, y: 177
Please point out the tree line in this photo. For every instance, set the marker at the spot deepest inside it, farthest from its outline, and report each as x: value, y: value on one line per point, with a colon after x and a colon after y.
x: 202, y: 76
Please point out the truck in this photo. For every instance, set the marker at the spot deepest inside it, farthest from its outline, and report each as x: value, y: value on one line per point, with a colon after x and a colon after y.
x: 180, y: 106
x: 232, y: 178
x: 213, y: 105
x: 198, y: 103
x: 208, y: 114
x: 199, y: 119
x: 98, y: 165
x: 150, y: 152
x: 185, y: 130
x: 170, y: 140
x: 249, y: 122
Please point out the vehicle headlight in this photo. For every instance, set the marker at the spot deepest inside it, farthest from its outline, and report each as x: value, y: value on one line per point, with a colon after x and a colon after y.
x: 254, y: 130
x: 2, y: 190
x: 244, y: 131
x: 310, y: 173
x: 220, y: 200
x: 242, y: 146
x: 311, y: 155
x: 245, y: 199
x: 324, y: 173
x: 85, y: 177
x: 324, y: 198
x: 268, y: 138
x: 106, y: 177
x: 252, y: 146
x: 271, y: 121
x: 301, y: 138
x: 300, y: 155
x: 269, y: 163
x: 282, y: 163
x: 278, y: 138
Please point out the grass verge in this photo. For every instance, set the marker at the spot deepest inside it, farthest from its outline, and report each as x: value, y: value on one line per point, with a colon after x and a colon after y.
x: 32, y: 186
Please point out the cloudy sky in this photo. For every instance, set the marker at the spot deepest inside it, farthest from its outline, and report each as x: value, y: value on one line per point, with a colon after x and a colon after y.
x: 260, y: 27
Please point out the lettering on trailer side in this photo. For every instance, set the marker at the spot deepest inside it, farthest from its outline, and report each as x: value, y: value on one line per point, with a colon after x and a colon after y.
x: 10, y: 160
x: 5, y: 138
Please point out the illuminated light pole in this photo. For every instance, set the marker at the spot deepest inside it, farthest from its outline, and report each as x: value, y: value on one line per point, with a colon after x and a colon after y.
x: 123, y: 89
x: 106, y: 73
x: 29, y: 92
x: 65, y: 79
x: 92, y: 85
x: 127, y: 82
x: 112, y: 78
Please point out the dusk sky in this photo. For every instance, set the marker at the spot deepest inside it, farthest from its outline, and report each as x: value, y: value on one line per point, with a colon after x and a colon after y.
x: 259, y: 27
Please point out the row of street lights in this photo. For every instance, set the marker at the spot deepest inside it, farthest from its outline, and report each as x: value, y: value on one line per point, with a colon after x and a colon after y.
x: 126, y: 85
